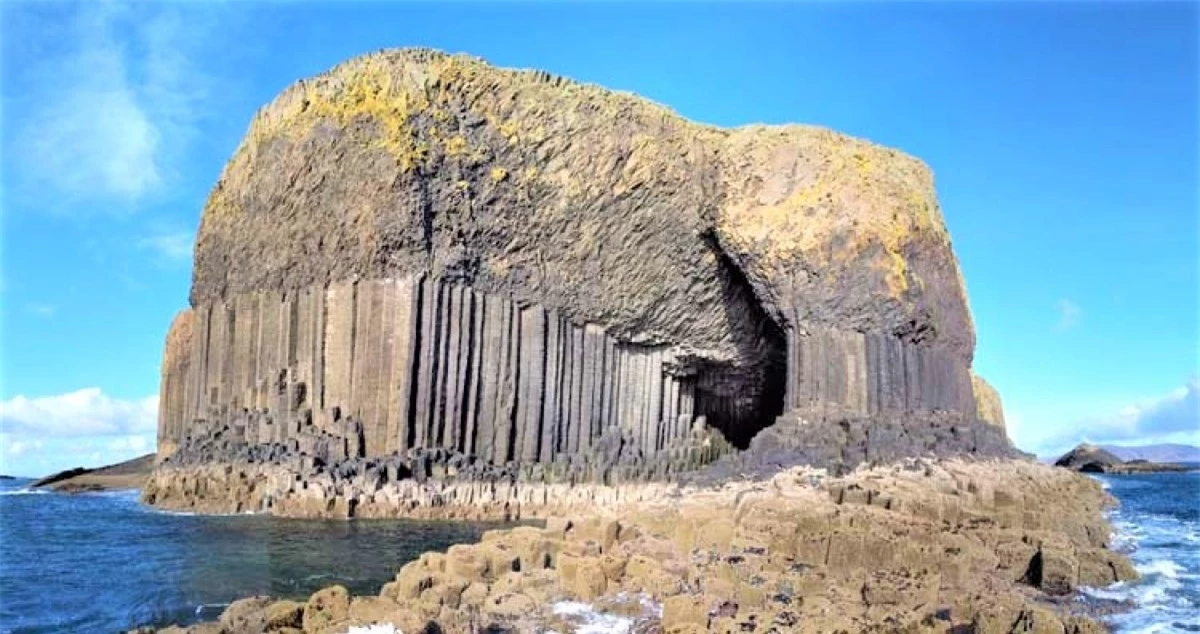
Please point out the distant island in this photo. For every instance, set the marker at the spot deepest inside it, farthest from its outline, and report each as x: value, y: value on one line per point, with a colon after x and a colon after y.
x: 1163, y: 452
x: 1088, y: 458
x: 130, y: 474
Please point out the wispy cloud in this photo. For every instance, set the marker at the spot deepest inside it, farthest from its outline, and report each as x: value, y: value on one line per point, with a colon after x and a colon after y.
x: 20, y: 447
x: 1173, y: 416
x: 38, y: 309
x: 1069, y: 314
x: 173, y: 246
x: 109, y: 115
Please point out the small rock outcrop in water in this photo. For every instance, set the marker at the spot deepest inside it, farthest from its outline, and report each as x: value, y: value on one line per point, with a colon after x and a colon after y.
x: 522, y: 270
x: 1090, y: 458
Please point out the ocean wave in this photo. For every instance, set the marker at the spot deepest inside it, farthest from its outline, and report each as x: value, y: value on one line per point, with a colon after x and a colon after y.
x: 210, y: 607
x: 1166, y: 597
x: 25, y: 492
x: 1164, y: 567
x: 374, y: 628
x: 590, y: 621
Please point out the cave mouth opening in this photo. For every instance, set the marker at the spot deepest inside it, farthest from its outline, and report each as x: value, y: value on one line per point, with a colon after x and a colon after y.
x: 742, y: 399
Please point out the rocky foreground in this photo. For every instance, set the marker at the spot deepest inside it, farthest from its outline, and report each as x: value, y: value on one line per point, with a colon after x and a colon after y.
x: 921, y: 546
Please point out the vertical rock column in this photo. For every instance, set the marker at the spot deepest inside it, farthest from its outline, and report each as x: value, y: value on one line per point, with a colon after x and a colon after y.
x: 423, y: 363
x: 870, y: 373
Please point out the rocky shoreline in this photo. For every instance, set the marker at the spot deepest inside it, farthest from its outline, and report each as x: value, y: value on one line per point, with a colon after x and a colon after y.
x: 920, y: 546
x: 321, y: 475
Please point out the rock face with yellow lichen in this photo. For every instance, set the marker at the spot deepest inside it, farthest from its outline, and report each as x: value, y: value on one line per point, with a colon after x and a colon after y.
x: 418, y: 251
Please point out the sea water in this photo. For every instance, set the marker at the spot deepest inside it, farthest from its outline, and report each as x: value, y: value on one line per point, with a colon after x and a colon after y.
x: 1158, y: 525
x: 103, y: 562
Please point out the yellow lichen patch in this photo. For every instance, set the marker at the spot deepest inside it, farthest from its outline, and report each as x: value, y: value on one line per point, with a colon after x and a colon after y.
x: 498, y: 174
x: 366, y: 91
x: 509, y: 129
x: 499, y: 267
x: 218, y: 208
x: 988, y: 406
x: 456, y: 145
x: 870, y: 196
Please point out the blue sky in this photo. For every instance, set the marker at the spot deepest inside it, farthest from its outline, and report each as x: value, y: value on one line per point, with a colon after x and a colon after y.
x: 1063, y: 137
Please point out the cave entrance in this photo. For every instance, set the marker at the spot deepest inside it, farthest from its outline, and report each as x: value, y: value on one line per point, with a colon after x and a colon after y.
x: 742, y: 399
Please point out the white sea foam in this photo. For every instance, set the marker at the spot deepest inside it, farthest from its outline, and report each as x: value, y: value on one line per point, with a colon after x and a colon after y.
x: 1162, y: 547
x: 1164, y: 567
x: 589, y: 621
x: 586, y: 619
x: 210, y: 606
x: 25, y: 492
x: 375, y: 628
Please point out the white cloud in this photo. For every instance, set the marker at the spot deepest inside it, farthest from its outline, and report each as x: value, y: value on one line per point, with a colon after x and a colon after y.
x: 86, y: 412
x: 172, y: 246
x: 138, y: 444
x: 19, y: 447
x: 1069, y: 314
x: 1174, y: 416
x: 110, y: 115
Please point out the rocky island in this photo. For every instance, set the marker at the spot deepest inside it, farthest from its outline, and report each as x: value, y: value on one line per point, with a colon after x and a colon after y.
x: 1090, y: 458
x: 731, y: 368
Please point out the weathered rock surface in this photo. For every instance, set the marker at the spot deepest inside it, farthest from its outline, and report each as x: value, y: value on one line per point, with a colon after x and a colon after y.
x: 916, y: 547
x: 507, y: 265
x: 988, y: 407
x: 1090, y: 458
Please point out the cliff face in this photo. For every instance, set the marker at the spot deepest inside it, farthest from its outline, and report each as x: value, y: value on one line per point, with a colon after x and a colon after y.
x: 987, y: 402
x: 512, y: 265
x: 176, y: 370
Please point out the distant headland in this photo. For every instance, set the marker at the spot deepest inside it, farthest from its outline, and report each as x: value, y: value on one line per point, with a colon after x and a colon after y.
x: 1090, y: 458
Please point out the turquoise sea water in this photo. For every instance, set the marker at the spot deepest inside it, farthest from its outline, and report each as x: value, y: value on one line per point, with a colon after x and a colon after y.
x: 102, y: 562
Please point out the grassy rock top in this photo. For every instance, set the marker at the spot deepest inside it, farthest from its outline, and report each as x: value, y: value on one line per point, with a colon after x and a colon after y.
x: 604, y: 204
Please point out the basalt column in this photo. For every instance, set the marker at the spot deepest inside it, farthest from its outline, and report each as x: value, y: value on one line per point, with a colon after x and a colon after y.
x: 872, y: 373
x: 419, y: 362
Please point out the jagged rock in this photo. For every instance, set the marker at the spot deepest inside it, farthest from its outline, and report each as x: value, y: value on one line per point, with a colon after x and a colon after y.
x: 326, y: 608
x: 245, y: 616
x: 282, y: 614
